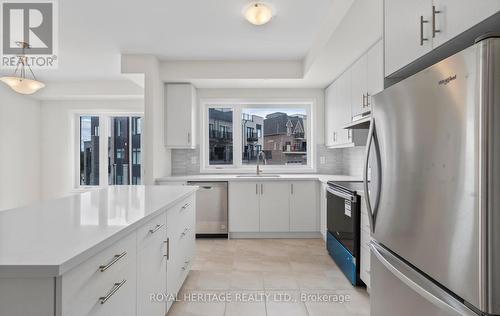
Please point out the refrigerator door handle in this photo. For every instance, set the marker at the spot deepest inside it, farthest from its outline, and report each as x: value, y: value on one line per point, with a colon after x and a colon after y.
x: 372, y: 135
x: 420, y: 284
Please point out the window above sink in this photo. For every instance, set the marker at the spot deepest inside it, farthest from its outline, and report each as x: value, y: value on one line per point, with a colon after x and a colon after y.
x: 234, y: 132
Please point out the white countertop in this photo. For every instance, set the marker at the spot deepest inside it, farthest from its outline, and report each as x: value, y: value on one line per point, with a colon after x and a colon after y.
x: 282, y: 177
x: 48, y: 239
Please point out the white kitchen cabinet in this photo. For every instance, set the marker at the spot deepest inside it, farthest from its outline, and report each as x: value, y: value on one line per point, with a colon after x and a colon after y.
x: 304, y: 206
x: 375, y: 72
x: 274, y: 206
x: 343, y: 106
x: 415, y: 27
x: 103, y: 284
x: 359, y: 85
x: 456, y: 16
x: 405, y: 40
x: 322, y: 210
x: 151, y: 265
x: 180, y: 115
x: 330, y: 125
x: 180, y: 250
x: 244, y: 206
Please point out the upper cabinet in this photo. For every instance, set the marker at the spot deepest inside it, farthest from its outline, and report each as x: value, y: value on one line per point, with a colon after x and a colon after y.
x: 452, y: 17
x: 415, y: 27
x: 375, y: 72
x: 348, y: 98
x: 180, y: 113
x: 367, y: 79
x: 359, y: 86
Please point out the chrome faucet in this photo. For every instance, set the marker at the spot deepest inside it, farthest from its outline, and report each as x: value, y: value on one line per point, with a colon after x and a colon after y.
x: 261, y: 153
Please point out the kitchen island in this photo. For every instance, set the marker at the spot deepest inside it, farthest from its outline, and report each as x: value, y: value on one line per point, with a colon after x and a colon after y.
x: 102, y: 252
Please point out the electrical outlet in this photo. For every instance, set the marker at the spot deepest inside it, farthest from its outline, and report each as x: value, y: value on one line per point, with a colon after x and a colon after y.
x: 193, y: 160
x: 322, y: 160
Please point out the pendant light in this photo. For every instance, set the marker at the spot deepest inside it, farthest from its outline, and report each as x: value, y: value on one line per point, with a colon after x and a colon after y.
x: 258, y: 13
x: 18, y: 81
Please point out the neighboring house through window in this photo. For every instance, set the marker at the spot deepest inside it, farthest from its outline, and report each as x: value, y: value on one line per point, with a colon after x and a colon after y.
x: 279, y: 130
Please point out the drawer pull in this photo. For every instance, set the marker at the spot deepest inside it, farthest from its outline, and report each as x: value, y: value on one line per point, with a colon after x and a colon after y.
x: 185, y: 206
x: 157, y: 227
x: 116, y: 287
x: 183, y: 234
x: 167, y: 242
x: 112, y: 262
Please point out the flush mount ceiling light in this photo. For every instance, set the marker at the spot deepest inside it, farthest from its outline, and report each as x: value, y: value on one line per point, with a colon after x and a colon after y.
x: 18, y: 81
x: 258, y: 13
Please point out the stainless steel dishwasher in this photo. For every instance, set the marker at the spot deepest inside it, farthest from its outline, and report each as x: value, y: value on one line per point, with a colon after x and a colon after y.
x: 211, y: 209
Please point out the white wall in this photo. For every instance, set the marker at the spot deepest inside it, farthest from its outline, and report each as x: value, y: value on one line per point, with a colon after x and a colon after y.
x: 58, y: 148
x: 157, y: 158
x: 19, y: 149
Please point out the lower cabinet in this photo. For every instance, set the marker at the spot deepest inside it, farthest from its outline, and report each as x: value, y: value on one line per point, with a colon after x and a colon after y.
x: 322, y: 210
x: 151, y: 265
x: 244, y: 207
x: 273, y: 207
x: 304, y: 206
x: 181, y: 238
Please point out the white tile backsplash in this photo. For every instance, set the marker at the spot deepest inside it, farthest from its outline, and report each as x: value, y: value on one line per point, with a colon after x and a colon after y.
x: 348, y: 161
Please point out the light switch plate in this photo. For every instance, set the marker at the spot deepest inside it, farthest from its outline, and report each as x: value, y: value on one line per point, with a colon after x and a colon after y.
x: 322, y: 160
x: 193, y: 160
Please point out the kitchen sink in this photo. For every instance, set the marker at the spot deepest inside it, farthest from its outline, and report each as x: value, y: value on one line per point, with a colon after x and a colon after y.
x: 258, y: 176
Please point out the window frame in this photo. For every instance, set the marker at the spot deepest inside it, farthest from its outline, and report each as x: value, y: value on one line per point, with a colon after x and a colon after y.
x: 104, y: 124
x: 238, y: 105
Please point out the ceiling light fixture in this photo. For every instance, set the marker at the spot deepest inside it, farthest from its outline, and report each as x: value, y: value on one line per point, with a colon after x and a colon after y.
x: 19, y: 82
x: 258, y: 13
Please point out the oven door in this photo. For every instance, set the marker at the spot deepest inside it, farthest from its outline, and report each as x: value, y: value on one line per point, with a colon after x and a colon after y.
x: 341, y: 217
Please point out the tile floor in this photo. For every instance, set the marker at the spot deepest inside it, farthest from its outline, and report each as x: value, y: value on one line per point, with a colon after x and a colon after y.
x: 273, y: 277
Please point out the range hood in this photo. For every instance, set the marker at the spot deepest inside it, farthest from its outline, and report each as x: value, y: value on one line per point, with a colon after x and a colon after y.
x: 360, y: 122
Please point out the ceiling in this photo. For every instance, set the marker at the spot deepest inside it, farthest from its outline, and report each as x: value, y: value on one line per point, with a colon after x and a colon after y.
x: 93, y: 34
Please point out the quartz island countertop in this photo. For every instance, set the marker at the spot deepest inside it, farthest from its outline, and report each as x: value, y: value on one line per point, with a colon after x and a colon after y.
x: 50, y: 238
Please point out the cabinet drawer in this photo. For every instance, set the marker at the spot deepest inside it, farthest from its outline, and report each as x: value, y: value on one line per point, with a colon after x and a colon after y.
x: 112, y: 270
x: 153, y: 231
x: 180, y: 214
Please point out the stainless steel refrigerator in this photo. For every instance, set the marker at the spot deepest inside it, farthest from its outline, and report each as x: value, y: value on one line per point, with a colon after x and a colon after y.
x: 434, y: 189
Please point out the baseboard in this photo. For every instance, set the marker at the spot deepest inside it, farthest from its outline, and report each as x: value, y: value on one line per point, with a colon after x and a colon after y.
x: 275, y: 235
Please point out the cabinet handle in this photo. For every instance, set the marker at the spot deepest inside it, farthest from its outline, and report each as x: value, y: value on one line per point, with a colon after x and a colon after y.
x: 157, y: 227
x: 112, y: 262
x: 262, y: 188
x: 349, y: 134
x: 114, y: 289
x: 186, y: 264
x: 184, y: 232
x: 291, y: 188
x: 434, y: 29
x: 189, y: 138
x: 185, y: 206
x: 367, y: 99
x: 364, y: 104
x: 167, y: 242
x: 422, y: 38
x: 256, y: 189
